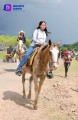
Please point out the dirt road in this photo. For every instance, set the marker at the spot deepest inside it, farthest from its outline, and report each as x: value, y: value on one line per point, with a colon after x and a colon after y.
x: 58, y: 98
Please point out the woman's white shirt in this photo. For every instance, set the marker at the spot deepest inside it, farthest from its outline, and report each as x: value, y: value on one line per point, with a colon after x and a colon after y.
x: 38, y: 36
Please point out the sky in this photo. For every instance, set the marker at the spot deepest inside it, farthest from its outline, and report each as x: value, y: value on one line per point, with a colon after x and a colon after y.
x: 61, y: 18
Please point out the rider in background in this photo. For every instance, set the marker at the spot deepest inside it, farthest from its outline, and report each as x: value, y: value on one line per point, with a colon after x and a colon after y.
x: 9, y: 49
x: 22, y: 37
x: 67, y: 61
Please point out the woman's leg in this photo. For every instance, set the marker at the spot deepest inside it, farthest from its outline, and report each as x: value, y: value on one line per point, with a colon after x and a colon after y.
x: 25, y: 58
x: 66, y: 68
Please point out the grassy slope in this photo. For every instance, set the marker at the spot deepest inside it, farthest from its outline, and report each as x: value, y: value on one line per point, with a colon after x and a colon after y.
x: 2, y: 54
x: 73, y: 67
x: 11, y: 40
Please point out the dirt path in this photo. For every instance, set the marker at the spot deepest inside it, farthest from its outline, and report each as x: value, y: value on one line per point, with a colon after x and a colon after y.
x: 58, y: 99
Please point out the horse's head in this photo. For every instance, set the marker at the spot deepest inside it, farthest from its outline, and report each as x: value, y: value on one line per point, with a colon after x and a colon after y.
x: 54, y: 54
x: 20, y: 45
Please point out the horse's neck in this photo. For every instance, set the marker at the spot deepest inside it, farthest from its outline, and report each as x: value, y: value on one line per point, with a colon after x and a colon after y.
x: 20, y: 51
x: 44, y: 56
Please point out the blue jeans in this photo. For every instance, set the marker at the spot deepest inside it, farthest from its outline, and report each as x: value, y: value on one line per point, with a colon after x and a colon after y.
x: 25, y: 58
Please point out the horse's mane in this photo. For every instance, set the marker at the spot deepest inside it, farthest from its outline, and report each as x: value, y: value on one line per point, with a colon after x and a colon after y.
x: 44, y: 54
x: 44, y: 47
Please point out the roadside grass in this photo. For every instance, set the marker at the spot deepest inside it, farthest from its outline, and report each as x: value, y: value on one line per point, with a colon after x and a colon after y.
x: 74, y: 65
x: 73, y: 68
x: 7, y: 40
x: 2, y: 54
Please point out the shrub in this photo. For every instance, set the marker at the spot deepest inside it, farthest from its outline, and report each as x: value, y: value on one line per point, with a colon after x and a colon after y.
x: 11, y: 40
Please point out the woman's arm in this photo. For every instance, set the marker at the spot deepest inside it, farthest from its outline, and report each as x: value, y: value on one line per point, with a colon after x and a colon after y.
x: 35, y: 36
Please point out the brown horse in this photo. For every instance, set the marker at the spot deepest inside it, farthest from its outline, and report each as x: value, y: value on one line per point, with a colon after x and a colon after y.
x: 39, y: 68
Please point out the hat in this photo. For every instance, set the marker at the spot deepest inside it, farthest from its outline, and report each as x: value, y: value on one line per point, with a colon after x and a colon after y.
x: 66, y: 52
x: 21, y: 31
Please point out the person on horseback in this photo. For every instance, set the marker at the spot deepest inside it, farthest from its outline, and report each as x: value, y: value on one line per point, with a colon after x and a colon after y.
x: 38, y: 39
x: 22, y: 37
x: 67, y: 61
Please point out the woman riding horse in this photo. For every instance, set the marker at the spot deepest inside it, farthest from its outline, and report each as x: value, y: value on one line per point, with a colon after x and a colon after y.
x: 39, y: 38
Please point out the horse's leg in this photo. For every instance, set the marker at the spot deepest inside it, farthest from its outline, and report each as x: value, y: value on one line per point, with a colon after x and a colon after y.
x: 30, y: 83
x: 41, y: 83
x: 37, y: 89
x: 23, y: 82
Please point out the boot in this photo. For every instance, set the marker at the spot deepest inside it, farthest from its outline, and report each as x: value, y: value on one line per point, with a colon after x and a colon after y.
x: 18, y: 73
x: 50, y: 75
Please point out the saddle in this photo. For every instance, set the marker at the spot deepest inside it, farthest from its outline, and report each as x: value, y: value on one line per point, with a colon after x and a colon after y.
x: 32, y: 56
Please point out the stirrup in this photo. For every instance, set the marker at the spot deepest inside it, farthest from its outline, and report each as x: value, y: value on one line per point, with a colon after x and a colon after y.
x: 18, y: 73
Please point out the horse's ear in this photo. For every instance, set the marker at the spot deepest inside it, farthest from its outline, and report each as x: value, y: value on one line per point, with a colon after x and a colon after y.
x: 49, y: 42
x: 58, y: 43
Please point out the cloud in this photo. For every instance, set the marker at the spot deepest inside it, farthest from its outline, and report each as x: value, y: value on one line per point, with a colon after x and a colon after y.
x: 59, y: 1
x: 56, y: 1
x: 48, y: 1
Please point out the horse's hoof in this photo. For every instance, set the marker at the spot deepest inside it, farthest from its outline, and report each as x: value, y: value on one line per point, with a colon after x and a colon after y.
x: 24, y: 96
x: 35, y: 107
x: 29, y: 96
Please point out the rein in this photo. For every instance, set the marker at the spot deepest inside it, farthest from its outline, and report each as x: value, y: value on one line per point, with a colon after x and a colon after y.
x: 55, y: 62
x: 43, y: 65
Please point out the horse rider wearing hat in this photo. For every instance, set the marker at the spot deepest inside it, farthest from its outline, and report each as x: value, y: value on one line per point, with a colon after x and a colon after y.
x: 22, y: 37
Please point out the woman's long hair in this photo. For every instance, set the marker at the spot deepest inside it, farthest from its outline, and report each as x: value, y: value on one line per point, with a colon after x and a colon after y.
x: 46, y: 31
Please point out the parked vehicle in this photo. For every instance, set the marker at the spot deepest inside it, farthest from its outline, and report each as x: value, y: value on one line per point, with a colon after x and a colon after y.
x: 76, y: 56
x: 2, y: 48
x: 9, y: 58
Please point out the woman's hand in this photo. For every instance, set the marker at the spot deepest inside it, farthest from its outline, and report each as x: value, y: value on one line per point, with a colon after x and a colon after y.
x: 39, y: 43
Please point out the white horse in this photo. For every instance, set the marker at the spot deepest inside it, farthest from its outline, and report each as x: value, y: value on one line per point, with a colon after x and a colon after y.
x: 20, y: 51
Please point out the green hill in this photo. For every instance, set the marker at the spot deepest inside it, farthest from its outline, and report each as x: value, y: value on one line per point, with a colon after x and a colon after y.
x: 11, y: 40
x: 73, y: 46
